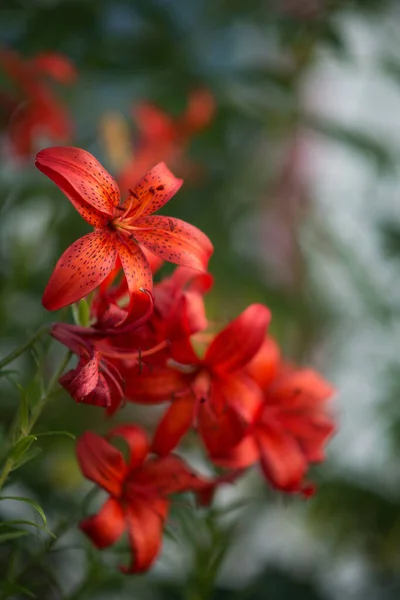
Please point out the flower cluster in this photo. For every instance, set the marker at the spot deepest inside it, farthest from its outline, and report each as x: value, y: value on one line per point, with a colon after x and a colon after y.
x: 28, y: 105
x: 160, y: 137
x: 151, y: 343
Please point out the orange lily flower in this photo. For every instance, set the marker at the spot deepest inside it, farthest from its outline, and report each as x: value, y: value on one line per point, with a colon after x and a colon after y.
x: 120, y: 228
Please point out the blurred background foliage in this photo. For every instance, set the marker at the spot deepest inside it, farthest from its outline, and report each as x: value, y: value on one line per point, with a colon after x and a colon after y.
x: 296, y: 179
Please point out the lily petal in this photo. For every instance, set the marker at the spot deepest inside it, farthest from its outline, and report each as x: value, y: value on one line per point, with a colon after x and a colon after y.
x: 174, y: 240
x: 236, y: 345
x: 137, y: 441
x: 101, y: 462
x: 136, y: 267
x: 153, y: 384
x: 241, y: 456
x: 105, y: 528
x: 154, y: 190
x: 82, y: 267
x: 145, y: 520
x: 300, y: 389
x: 220, y: 432
x: 167, y: 475
x: 89, y: 187
x: 82, y: 380
x: 263, y: 367
x: 282, y: 461
x: 176, y: 421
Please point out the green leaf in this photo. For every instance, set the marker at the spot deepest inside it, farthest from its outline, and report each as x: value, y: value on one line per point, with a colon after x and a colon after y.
x: 11, y: 535
x: 29, y: 501
x: 8, y: 372
x: 19, y: 450
x: 23, y: 410
x: 11, y: 589
x: 30, y: 455
x: 66, y: 433
x: 24, y: 522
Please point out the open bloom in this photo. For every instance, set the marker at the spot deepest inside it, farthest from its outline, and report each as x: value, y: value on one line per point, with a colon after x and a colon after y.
x: 162, y: 137
x: 292, y: 424
x: 120, y: 227
x: 138, y: 489
x: 31, y: 107
x: 215, y: 392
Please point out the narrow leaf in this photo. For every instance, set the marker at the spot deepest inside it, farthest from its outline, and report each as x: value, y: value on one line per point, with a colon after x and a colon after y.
x: 21, y: 448
x: 23, y: 411
x: 28, y: 456
x: 66, y: 433
x: 11, y: 535
x: 11, y: 589
x: 29, y: 501
x: 24, y: 522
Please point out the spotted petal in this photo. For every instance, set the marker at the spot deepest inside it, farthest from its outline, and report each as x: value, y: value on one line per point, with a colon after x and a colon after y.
x: 174, y: 240
x: 154, y: 190
x: 82, y: 267
x: 89, y: 187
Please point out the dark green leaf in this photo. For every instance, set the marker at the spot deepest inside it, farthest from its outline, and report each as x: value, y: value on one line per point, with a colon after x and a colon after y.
x: 24, y: 522
x: 11, y: 535
x: 61, y: 432
x: 18, y: 451
x: 29, y: 501
x: 8, y: 589
x: 30, y: 455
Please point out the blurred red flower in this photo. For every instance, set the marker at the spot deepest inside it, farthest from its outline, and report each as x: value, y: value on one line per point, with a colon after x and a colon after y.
x: 292, y: 424
x: 139, y: 492
x: 214, y: 392
x: 120, y: 228
x: 162, y: 137
x: 30, y: 107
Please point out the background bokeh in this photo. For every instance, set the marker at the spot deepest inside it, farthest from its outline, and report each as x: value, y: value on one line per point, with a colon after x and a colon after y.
x: 296, y: 179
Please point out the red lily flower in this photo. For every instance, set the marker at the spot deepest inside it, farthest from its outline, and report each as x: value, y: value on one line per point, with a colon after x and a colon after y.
x: 139, y: 492
x: 95, y: 380
x: 119, y: 229
x: 31, y: 106
x: 215, y: 391
x: 162, y: 137
x: 291, y: 427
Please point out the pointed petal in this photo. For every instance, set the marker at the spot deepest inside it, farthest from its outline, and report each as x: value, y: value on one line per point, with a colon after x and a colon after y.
x: 174, y: 240
x: 163, y: 476
x: 176, y: 421
x: 89, y: 187
x: 154, y: 190
x: 82, y: 267
x: 236, y: 345
x: 137, y: 441
x: 282, y: 460
x: 312, y: 431
x: 241, y: 456
x: 100, y: 462
x: 300, y: 389
x: 136, y: 268
x: 105, y: 528
x: 82, y: 380
x: 219, y: 432
x: 263, y: 367
x: 225, y: 417
x: 147, y: 384
x: 145, y: 519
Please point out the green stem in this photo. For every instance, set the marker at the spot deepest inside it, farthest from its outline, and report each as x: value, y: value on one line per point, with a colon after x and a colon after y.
x: 36, y: 412
x: 18, y: 351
